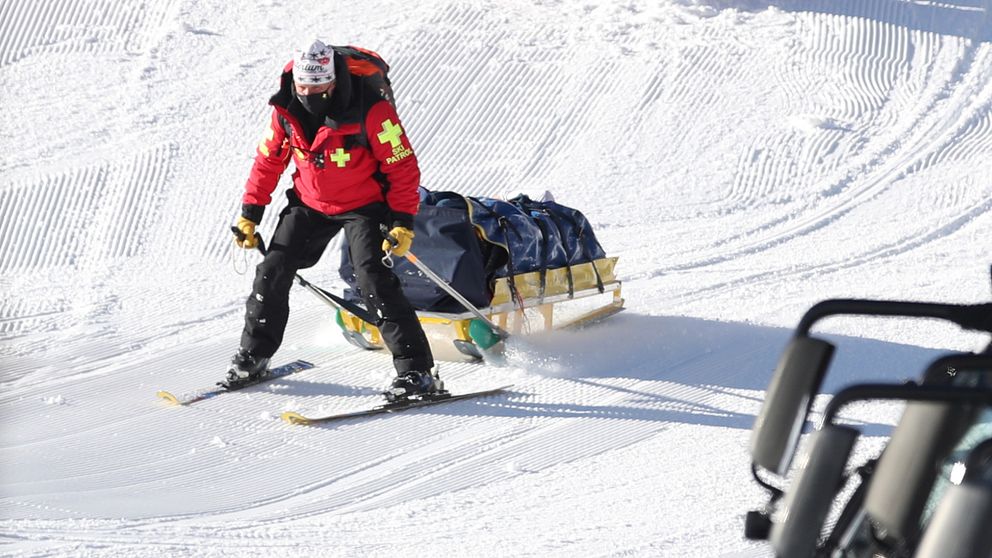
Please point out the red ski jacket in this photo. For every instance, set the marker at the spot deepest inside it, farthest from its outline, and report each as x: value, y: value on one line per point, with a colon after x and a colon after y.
x: 360, y: 155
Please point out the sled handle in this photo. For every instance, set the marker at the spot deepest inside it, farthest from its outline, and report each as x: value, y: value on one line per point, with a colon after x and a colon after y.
x: 500, y: 332
x: 410, y: 257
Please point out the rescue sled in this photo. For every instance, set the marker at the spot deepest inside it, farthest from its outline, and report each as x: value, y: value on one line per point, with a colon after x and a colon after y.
x: 484, y: 269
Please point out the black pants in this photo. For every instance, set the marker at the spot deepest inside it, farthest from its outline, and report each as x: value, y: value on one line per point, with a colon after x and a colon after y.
x: 298, y: 243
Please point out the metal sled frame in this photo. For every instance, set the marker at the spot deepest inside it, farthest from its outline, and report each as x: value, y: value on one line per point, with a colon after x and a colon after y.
x: 450, y: 334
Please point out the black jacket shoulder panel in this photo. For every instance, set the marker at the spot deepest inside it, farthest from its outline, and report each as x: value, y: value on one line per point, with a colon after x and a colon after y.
x: 284, y: 95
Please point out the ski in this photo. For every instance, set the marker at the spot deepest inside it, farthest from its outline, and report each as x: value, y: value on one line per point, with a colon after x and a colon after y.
x: 296, y: 418
x: 191, y: 397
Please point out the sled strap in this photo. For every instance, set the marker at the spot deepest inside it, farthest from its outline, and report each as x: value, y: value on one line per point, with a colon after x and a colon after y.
x: 592, y: 262
x: 568, y: 259
x: 506, y: 225
x: 545, y: 253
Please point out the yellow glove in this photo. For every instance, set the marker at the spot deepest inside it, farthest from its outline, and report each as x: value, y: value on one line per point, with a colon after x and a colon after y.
x: 247, y: 227
x: 403, y: 237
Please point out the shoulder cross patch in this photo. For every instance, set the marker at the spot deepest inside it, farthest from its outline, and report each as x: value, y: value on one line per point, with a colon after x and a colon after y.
x: 390, y: 134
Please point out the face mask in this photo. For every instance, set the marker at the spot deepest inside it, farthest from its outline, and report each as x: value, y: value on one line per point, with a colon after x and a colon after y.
x: 318, y: 104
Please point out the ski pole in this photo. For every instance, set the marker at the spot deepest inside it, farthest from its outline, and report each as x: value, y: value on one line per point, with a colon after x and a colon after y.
x: 326, y: 297
x: 410, y: 257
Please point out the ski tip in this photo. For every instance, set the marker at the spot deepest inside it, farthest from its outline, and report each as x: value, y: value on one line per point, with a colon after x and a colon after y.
x: 172, y: 399
x: 294, y: 418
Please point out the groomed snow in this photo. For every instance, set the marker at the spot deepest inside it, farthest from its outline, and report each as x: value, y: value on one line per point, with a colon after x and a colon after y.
x: 744, y: 160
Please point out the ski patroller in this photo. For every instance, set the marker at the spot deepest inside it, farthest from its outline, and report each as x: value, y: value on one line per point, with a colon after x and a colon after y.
x: 401, y: 405
x: 190, y: 397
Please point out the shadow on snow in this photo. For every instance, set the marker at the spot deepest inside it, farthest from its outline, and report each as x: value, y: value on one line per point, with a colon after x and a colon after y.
x: 680, y: 366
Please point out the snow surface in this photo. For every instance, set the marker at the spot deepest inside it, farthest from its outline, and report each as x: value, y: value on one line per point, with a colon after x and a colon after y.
x: 744, y: 159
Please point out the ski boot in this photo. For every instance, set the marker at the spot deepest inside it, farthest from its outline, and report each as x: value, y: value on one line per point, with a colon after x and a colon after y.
x: 245, y: 369
x: 414, y: 383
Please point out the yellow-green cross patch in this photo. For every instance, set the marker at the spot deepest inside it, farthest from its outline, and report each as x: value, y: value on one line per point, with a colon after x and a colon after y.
x: 340, y: 157
x: 390, y: 134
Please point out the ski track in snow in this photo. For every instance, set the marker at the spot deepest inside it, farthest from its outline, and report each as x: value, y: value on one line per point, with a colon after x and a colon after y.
x: 744, y: 159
